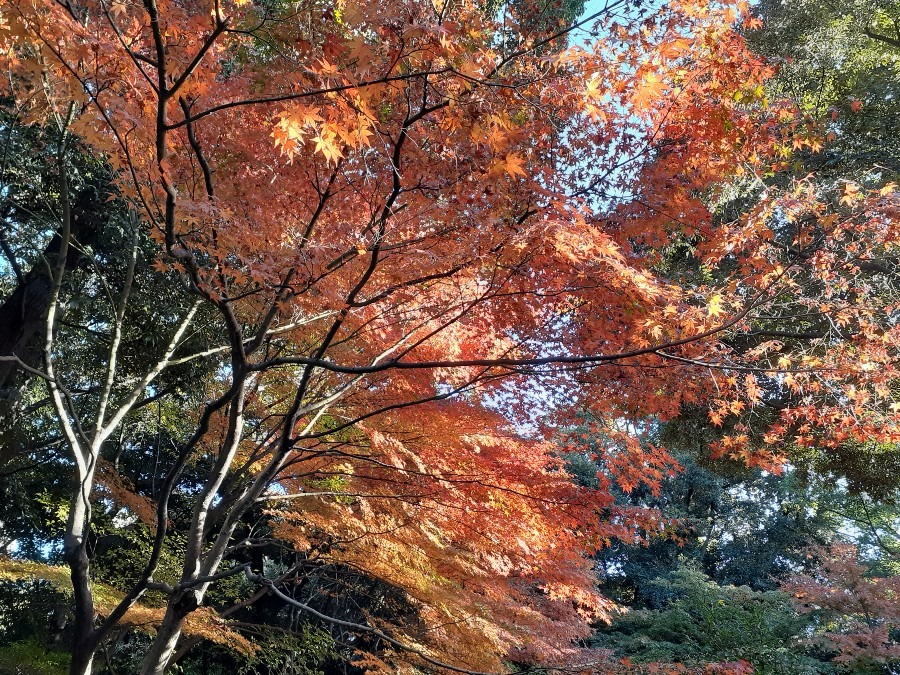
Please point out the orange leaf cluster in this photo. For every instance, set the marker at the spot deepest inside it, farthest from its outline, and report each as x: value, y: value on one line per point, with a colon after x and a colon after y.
x: 417, y: 236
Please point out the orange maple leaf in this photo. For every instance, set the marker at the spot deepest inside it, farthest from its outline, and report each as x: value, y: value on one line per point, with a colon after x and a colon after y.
x: 649, y: 91
x: 513, y: 163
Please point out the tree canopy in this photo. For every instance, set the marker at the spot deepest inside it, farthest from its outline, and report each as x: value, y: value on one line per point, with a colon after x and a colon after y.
x: 357, y: 330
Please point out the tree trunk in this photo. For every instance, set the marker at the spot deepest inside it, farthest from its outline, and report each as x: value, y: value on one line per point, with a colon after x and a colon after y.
x: 84, y: 642
x: 82, y: 662
x: 23, y: 312
x: 168, y: 633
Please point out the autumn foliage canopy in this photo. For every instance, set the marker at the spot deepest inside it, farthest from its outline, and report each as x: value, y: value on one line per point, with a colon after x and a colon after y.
x: 414, y: 232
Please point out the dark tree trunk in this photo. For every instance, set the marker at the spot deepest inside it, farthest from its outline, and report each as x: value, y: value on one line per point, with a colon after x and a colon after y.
x: 84, y: 640
x: 22, y: 315
x: 24, y: 311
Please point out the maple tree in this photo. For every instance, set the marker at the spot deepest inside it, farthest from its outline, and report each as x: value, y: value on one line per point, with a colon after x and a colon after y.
x: 390, y: 223
x: 840, y: 74
x: 858, y: 610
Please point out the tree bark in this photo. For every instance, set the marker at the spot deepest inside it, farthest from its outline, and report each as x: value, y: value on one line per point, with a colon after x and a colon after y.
x: 23, y: 312
x: 84, y: 642
x: 169, y: 631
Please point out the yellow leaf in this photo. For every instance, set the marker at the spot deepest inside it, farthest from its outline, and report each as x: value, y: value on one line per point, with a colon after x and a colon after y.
x: 326, y: 143
x: 716, y: 305
x: 851, y: 192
